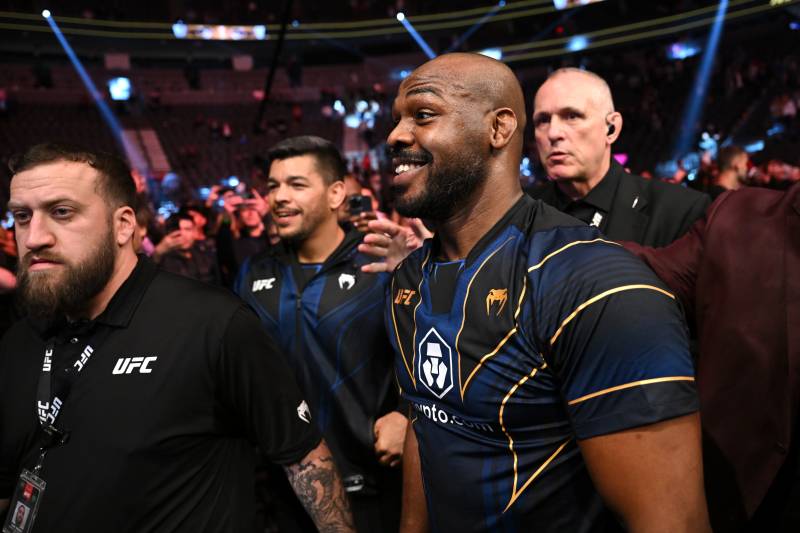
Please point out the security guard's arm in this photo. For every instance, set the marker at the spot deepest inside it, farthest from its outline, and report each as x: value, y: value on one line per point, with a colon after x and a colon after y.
x: 652, y: 476
x: 414, y: 515
x: 316, y: 482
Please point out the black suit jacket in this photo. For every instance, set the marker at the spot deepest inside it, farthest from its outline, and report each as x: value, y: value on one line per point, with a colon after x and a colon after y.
x: 648, y: 212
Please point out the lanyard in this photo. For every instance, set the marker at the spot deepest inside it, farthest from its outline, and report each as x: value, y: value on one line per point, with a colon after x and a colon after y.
x: 49, y: 402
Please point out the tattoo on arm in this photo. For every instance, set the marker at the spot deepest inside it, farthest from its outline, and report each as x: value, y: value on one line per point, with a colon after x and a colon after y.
x: 318, y: 487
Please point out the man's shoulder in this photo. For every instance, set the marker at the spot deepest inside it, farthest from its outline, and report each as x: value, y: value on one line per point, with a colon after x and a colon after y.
x: 545, y: 190
x: 264, y: 261
x: 175, y: 293
x: 661, y: 191
x: 20, y: 333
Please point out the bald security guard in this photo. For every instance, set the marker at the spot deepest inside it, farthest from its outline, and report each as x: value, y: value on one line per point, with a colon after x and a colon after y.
x: 575, y: 125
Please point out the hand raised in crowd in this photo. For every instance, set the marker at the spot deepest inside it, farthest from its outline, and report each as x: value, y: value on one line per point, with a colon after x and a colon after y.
x: 231, y: 202
x: 171, y: 241
x: 390, y: 435
x: 260, y: 203
x: 392, y: 242
x: 361, y: 221
x: 213, y: 195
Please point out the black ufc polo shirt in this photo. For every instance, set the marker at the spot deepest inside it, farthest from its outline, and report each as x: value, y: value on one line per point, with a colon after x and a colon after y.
x: 164, y: 417
x: 544, y: 335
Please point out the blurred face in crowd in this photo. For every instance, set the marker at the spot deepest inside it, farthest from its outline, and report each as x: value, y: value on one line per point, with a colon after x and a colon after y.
x: 300, y: 198
x: 187, y: 233
x: 249, y: 216
x: 571, y: 117
x: 351, y: 188
x: 439, y: 145
x: 740, y: 166
x: 66, y: 237
x: 200, y: 222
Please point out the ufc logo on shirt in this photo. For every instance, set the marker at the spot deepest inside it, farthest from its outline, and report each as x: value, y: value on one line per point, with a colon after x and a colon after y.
x: 261, y: 284
x: 129, y: 365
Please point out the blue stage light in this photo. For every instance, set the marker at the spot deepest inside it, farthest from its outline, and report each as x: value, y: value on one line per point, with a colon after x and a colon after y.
x: 180, y: 30
x: 416, y: 36
x: 693, y: 113
x: 97, y: 97
x: 46, y: 13
x: 577, y: 43
x: 119, y: 89
x: 494, y: 53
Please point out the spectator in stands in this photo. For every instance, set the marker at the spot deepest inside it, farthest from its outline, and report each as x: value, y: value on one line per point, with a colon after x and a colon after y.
x: 141, y: 242
x: 178, y: 251
x: 243, y: 232
x: 736, y: 274
x: 733, y: 165
x: 575, y: 125
x: 8, y: 280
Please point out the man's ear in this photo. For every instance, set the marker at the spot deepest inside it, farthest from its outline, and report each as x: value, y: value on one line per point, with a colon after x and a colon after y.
x: 504, y: 125
x: 336, y: 194
x: 614, y: 125
x: 124, y: 225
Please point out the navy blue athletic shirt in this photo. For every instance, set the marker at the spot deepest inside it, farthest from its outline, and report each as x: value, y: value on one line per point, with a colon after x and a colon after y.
x: 544, y: 335
x: 328, y: 320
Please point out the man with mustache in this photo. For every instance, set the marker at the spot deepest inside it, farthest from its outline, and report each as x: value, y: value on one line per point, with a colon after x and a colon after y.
x: 548, y: 371
x: 151, y: 389
x: 325, y: 312
x: 575, y: 125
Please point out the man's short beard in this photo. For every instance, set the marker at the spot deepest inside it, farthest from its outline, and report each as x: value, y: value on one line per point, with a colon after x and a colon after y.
x: 312, y: 220
x: 447, y: 188
x: 45, y: 296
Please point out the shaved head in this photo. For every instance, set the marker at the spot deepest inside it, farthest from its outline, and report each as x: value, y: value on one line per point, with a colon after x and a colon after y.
x: 600, y: 91
x: 575, y: 125
x: 479, y: 79
x: 458, y: 136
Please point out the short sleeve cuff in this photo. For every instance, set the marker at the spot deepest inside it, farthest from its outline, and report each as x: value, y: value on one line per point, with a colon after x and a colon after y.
x: 632, y: 405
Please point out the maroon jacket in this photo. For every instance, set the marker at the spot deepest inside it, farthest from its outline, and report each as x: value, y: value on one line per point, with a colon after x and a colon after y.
x: 737, y: 273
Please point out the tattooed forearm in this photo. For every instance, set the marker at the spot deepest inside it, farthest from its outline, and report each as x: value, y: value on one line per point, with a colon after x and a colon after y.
x: 318, y: 487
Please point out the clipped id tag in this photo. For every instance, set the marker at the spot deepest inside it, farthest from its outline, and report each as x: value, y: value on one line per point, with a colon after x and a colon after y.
x: 24, y: 504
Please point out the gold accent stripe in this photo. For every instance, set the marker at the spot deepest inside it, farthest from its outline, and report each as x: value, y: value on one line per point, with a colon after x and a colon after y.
x: 419, y: 294
x: 501, y: 344
x: 464, y: 310
x: 399, y: 342
x: 514, y: 492
x: 600, y: 296
x: 503, y: 427
x: 517, y: 494
x: 570, y: 245
x: 628, y: 386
